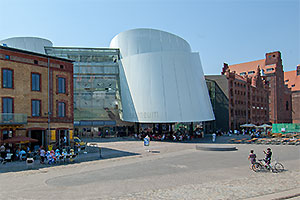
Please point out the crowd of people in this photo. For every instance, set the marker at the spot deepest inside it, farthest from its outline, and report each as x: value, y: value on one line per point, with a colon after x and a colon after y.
x: 57, y: 156
x: 179, y: 135
x: 49, y: 157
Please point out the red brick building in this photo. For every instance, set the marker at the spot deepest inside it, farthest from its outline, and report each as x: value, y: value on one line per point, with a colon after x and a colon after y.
x: 25, y: 96
x: 280, y: 98
x: 248, y: 97
x: 292, y: 80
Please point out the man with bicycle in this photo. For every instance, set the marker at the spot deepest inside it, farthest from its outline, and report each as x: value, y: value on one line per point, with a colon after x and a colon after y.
x: 268, y: 157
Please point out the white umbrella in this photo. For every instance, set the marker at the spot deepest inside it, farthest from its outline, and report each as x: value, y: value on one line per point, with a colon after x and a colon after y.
x: 248, y: 125
x: 264, y: 126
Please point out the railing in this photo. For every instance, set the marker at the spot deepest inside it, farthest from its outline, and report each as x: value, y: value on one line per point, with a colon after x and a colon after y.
x: 12, y: 118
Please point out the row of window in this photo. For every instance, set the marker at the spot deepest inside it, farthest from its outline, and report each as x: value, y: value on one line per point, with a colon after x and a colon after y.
x: 8, y: 76
x: 253, y: 72
x: 36, y: 62
x: 7, y: 107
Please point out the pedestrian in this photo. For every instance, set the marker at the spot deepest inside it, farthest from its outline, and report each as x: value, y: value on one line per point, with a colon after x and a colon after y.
x: 268, y: 156
x: 2, y: 151
x: 42, y: 155
x: 214, y: 137
x: 252, y: 157
x: 147, y: 142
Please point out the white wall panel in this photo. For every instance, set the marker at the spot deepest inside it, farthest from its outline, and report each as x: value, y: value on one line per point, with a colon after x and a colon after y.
x: 34, y: 44
x: 161, y: 79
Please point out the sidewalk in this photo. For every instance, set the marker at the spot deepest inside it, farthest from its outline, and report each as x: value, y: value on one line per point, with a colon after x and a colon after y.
x: 92, y: 153
x: 289, y: 194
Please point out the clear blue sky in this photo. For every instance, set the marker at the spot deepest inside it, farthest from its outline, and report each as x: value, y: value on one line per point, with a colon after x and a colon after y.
x: 231, y: 31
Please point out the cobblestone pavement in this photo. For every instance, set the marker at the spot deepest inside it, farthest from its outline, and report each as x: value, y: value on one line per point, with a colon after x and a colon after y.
x: 240, y: 188
x: 168, y: 171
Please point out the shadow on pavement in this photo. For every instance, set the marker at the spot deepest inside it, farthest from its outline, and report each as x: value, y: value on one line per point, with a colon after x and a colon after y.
x: 92, y: 155
x: 206, y: 140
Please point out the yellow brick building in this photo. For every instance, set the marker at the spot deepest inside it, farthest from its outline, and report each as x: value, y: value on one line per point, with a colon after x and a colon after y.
x: 36, y: 97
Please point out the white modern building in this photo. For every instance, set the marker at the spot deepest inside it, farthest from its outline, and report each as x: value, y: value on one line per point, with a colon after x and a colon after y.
x: 146, y: 76
x: 161, y: 79
x: 34, y: 44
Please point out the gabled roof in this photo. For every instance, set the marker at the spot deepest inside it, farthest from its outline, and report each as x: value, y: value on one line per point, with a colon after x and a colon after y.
x: 248, y: 66
x: 292, y: 80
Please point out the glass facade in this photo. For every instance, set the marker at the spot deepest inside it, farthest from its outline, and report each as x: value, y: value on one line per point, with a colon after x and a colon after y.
x: 220, y: 105
x: 96, y: 84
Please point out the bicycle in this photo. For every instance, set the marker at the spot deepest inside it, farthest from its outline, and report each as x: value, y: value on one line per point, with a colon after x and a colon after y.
x: 261, y: 165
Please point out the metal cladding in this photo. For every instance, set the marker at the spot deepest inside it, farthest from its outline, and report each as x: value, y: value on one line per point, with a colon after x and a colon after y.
x: 161, y: 79
x: 33, y: 44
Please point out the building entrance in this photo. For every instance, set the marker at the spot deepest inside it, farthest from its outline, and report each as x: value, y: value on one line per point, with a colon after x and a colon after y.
x: 62, y: 138
x: 39, y: 135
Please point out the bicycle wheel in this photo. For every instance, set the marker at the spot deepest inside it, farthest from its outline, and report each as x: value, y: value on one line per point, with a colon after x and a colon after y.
x: 257, y: 167
x: 279, y: 167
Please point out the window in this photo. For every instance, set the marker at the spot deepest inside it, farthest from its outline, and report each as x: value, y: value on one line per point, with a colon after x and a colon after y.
x: 36, y: 108
x: 7, y: 105
x: 251, y: 72
x: 293, y: 85
x: 35, y: 82
x: 61, y: 109
x: 270, y: 69
x: 61, y: 85
x: 7, y: 78
x: 7, y: 57
x: 243, y: 73
x: 287, y: 105
x: 35, y: 62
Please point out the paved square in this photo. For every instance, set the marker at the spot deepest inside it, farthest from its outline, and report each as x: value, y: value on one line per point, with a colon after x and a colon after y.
x: 168, y: 171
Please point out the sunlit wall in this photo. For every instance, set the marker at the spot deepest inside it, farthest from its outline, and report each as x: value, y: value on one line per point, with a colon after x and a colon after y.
x: 161, y: 79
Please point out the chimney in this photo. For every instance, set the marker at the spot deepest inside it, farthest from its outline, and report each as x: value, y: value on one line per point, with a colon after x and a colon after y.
x: 298, y: 70
x: 225, y: 68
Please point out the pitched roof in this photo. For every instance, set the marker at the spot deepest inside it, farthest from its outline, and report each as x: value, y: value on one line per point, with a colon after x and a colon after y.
x: 247, y: 66
x: 292, y: 80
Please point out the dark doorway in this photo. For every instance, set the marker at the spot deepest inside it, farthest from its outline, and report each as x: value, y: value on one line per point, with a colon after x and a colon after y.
x: 39, y: 135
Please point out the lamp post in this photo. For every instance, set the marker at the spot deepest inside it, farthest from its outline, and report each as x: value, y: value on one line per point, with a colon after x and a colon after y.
x: 48, y: 113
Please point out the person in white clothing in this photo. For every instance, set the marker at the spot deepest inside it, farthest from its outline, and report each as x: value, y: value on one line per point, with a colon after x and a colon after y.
x: 214, y: 135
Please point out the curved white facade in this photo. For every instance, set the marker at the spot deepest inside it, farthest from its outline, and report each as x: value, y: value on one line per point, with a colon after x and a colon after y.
x: 34, y: 44
x: 161, y: 79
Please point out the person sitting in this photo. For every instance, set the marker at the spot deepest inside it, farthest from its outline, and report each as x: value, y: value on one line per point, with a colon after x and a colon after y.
x: 22, y: 154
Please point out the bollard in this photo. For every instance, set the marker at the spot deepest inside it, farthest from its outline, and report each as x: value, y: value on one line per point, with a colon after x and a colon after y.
x: 29, y: 163
x: 100, y: 153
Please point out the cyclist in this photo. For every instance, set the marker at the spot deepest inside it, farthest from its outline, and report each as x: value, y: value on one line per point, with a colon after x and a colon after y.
x: 268, y: 157
x: 252, y: 157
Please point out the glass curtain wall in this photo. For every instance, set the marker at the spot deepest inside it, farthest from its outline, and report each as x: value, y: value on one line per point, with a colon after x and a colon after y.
x: 220, y: 105
x: 96, y: 84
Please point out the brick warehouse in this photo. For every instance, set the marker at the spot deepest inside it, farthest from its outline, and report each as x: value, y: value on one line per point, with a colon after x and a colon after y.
x: 247, y: 98
x: 24, y: 96
x: 292, y: 79
x: 280, y: 96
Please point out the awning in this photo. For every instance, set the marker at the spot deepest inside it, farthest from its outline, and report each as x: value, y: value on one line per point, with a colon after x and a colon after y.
x: 19, y: 139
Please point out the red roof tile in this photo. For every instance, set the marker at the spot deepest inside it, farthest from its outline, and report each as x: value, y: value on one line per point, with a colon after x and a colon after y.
x: 292, y: 80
